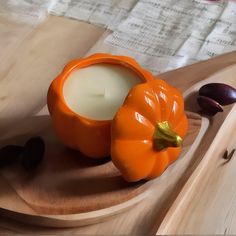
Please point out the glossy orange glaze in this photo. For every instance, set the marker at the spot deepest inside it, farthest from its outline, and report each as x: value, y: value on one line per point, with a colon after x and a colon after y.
x: 133, y: 128
x: 91, y: 137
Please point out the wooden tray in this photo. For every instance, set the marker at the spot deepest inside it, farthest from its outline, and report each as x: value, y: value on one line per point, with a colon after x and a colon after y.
x: 203, y: 205
x: 21, y: 203
x: 70, y: 190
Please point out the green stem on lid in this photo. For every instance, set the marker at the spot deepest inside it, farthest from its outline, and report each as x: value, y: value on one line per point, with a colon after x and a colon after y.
x: 165, y: 137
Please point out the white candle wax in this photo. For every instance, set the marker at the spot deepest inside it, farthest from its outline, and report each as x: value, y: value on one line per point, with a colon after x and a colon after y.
x: 97, y: 91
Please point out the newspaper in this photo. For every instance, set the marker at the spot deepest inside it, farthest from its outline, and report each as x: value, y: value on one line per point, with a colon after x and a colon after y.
x: 30, y: 12
x: 165, y: 35
x: 160, y: 35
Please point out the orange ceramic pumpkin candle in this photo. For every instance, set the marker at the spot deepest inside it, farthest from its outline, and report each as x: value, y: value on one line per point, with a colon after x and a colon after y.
x: 84, y: 98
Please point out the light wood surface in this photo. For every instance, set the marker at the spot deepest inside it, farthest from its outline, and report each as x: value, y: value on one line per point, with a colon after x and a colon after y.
x: 144, y: 218
x: 205, y: 205
x: 38, y: 56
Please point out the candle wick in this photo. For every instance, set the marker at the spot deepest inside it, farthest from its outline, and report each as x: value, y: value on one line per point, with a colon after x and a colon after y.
x: 101, y: 93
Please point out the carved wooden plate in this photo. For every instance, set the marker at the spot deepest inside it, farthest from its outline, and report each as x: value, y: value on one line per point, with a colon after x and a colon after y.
x: 68, y: 189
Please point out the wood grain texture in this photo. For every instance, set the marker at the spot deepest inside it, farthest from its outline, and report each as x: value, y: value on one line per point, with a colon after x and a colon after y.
x: 206, y: 204
x: 27, y: 72
x: 142, y: 218
x: 11, y: 35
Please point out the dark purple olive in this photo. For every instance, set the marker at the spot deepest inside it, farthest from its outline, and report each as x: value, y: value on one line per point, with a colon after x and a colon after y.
x: 33, y: 153
x: 210, y: 106
x: 221, y: 93
x: 9, y: 154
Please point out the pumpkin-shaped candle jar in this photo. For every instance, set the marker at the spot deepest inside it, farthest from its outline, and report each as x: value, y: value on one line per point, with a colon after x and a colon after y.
x: 84, y: 98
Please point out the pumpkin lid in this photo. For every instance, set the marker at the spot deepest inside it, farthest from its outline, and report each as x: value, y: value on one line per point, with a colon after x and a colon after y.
x: 148, y: 129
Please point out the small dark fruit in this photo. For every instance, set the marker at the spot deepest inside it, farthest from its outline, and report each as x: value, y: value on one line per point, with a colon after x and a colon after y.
x: 221, y: 93
x: 33, y: 153
x: 9, y: 154
x: 208, y: 105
